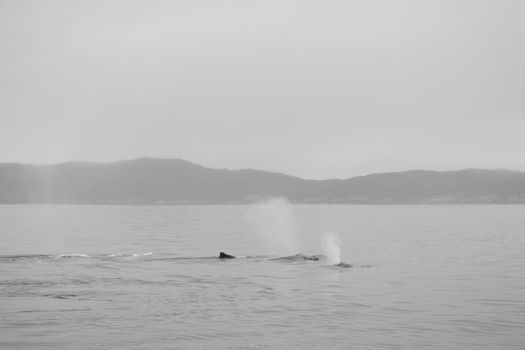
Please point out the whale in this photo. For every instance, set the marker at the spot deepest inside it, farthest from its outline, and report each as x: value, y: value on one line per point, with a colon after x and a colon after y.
x: 223, y: 255
x: 292, y: 258
x: 296, y: 257
x: 299, y: 257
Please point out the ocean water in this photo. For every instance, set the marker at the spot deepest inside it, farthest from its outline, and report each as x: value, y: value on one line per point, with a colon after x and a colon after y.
x: 148, y: 277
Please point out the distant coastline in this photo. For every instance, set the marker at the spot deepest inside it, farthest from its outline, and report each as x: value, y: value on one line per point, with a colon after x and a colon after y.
x: 176, y: 182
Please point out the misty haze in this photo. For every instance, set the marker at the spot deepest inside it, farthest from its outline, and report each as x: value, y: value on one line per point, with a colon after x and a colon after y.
x: 253, y: 174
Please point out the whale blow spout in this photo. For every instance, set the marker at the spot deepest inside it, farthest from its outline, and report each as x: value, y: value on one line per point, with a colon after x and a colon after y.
x: 223, y: 255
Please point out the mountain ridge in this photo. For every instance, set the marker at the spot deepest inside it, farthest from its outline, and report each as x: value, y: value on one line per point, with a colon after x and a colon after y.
x: 175, y: 181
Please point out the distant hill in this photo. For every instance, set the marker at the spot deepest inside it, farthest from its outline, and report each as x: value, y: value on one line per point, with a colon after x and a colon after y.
x: 165, y: 181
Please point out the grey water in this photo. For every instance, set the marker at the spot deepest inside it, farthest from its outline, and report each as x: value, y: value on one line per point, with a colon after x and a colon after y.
x: 148, y: 277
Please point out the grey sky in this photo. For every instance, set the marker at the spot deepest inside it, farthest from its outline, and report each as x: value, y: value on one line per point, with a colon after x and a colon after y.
x: 316, y: 89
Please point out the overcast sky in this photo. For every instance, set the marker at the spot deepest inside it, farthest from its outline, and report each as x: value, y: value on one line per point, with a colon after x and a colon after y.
x: 317, y: 89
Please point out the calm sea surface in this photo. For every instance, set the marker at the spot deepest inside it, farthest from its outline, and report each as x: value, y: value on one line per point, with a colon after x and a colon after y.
x: 148, y: 277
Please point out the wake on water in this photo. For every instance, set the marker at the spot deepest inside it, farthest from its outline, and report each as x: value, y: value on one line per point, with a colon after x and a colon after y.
x: 71, y: 256
x: 274, y: 224
x: 322, y: 260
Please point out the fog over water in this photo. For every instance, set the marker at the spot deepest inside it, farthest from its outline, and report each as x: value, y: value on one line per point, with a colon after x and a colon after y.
x: 309, y: 88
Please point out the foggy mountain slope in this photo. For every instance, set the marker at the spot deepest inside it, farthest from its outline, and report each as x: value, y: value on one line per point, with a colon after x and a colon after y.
x: 419, y: 186
x: 148, y: 180
x: 138, y: 181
